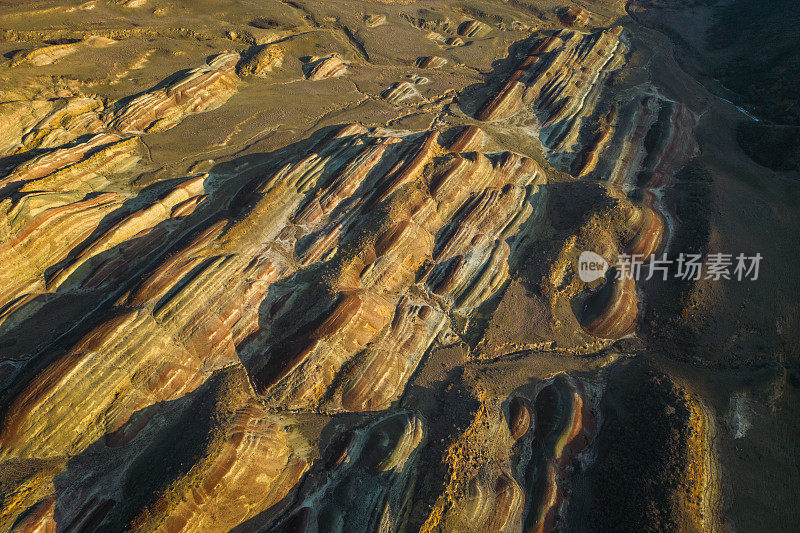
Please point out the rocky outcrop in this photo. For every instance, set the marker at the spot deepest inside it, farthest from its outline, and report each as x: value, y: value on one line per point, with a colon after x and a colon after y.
x: 45, y: 55
x: 72, y: 192
x: 638, y: 142
x: 561, y: 77
x: 202, y: 89
x: 260, y: 61
x: 431, y: 62
x: 670, y: 478
x: 366, y: 481
x: 327, y: 67
x: 399, y: 91
x: 473, y: 29
x: 366, y: 338
x: 48, y: 123
x: 54, y: 196
x: 516, y: 475
x: 574, y: 16
x: 373, y: 21
x: 470, y: 139
x: 564, y: 427
x: 198, y: 474
x: 51, y: 123
x: 348, y: 341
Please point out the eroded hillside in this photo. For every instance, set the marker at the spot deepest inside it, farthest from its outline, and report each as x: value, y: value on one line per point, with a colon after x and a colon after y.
x: 313, y: 266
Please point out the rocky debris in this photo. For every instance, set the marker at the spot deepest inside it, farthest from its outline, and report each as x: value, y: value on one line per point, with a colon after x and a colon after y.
x: 326, y: 67
x: 257, y: 37
x: 519, y: 26
x: 435, y: 37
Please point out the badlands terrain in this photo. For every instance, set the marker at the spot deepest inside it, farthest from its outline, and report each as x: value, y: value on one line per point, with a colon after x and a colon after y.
x: 294, y: 265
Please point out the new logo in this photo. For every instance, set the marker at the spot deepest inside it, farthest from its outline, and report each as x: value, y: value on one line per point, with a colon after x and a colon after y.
x: 591, y: 266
